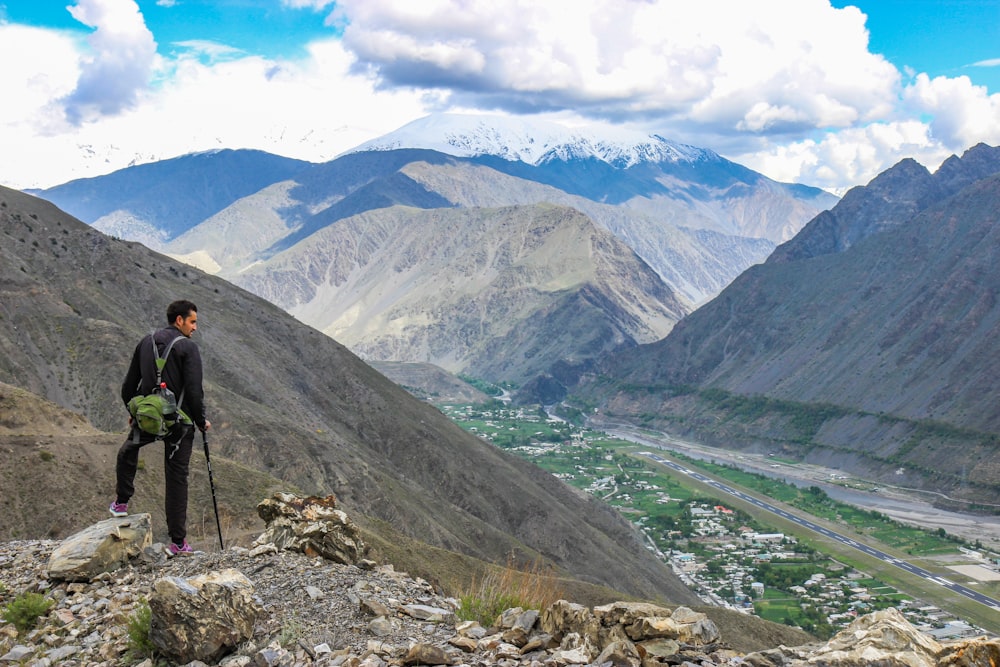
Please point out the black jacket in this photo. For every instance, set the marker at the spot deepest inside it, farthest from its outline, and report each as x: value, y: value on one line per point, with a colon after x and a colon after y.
x: 182, y: 372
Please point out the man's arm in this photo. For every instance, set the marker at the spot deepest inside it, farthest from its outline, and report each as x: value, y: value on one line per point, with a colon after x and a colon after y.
x: 194, y: 393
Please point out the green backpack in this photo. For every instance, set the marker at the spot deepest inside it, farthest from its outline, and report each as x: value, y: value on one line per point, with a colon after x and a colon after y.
x: 156, y: 413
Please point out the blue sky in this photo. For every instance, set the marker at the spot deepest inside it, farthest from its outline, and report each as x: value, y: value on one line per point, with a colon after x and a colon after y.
x: 802, y: 90
x: 940, y: 37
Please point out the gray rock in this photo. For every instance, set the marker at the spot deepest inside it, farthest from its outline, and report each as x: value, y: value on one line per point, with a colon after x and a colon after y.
x: 103, y: 547
x: 380, y: 626
x: 17, y: 654
x: 59, y: 653
x: 427, y: 613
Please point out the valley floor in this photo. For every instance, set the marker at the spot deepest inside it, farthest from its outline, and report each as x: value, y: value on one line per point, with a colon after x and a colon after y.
x: 904, y: 505
x: 600, y: 461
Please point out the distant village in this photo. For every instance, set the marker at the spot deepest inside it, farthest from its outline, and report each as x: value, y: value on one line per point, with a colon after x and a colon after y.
x: 720, y: 553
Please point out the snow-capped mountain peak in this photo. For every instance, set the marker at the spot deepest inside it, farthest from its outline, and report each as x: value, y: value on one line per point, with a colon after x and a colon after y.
x: 533, y: 141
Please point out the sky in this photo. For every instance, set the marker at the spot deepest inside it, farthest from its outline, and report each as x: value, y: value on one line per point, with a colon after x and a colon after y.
x: 810, y: 91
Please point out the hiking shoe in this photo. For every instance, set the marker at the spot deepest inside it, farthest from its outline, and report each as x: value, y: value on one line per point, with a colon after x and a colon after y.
x: 118, y: 509
x: 175, y: 549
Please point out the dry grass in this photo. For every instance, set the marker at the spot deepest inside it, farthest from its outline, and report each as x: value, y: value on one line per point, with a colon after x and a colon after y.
x: 530, y: 586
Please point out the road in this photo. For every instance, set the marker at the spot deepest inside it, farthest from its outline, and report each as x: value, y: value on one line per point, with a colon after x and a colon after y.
x: 806, y: 523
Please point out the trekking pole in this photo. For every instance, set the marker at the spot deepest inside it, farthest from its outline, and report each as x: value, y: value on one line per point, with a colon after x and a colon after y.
x: 211, y: 483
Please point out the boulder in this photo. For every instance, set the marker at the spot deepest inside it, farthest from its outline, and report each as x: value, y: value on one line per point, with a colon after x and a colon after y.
x: 971, y: 653
x: 426, y: 654
x: 425, y: 612
x: 103, y: 547
x: 688, y: 627
x: 883, y: 638
x: 562, y: 618
x: 202, y: 618
x: 313, y: 526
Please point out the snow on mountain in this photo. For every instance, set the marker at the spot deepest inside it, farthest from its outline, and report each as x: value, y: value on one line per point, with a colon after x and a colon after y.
x: 533, y: 141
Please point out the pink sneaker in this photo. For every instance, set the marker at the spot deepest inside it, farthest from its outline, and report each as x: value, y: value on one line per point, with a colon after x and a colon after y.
x: 180, y: 548
x: 118, y: 509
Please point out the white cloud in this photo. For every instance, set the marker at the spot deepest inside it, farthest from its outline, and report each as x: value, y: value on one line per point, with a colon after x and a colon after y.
x: 210, y: 50
x: 757, y: 67
x: 317, y: 5
x: 119, y: 63
x: 849, y: 157
x: 963, y: 114
x: 788, y: 87
x: 39, y: 66
x: 314, y: 109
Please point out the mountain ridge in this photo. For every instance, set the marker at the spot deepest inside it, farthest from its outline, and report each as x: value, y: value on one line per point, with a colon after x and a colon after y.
x: 533, y: 141
x: 206, y: 182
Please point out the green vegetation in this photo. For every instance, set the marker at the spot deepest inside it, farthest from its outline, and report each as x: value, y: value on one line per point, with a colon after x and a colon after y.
x: 24, y: 611
x: 802, y: 422
x: 535, y: 437
x: 291, y: 631
x: 487, y: 388
x: 529, y: 587
x: 137, y: 628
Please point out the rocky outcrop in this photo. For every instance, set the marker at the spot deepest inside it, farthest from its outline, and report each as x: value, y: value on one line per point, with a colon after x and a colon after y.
x: 270, y: 606
x: 626, y: 633
x: 316, y: 612
x: 313, y: 526
x: 883, y: 638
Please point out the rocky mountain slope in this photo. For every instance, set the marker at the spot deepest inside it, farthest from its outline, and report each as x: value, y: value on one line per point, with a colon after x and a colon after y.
x: 306, y: 599
x: 289, y: 401
x: 696, y: 219
x: 495, y: 293
x: 317, y: 612
x: 868, y: 341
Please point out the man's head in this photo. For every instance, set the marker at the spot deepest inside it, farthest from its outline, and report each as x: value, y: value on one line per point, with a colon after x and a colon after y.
x: 183, y: 315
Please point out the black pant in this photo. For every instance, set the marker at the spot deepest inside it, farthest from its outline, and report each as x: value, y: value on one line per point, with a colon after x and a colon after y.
x: 176, y: 459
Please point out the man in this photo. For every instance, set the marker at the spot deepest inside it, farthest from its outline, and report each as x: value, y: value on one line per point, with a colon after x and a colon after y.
x: 182, y: 375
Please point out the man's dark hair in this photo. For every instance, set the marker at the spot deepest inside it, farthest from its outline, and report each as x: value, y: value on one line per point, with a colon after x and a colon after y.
x: 182, y: 308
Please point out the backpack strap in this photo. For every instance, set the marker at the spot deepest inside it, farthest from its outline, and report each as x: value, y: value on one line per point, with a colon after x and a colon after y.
x: 161, y: 362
